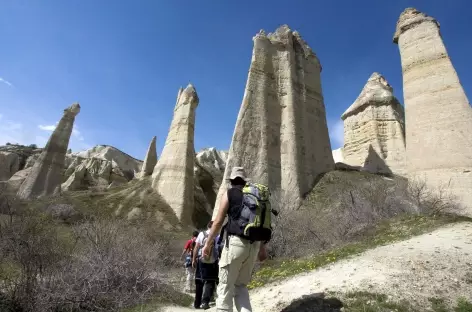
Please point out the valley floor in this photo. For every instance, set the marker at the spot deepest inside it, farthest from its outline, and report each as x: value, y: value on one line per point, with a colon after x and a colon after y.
x: 436, y: 264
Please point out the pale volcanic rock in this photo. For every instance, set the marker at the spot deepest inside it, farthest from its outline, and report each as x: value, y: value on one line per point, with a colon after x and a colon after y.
x: 17, y: 179
x: 129, y: 165
x: 374, y: 129
x: 338, y: 155
x: 209, y: 169
x: 91, y: 172
x: 46, y: 174
x: 438, y: 113
x: 281, y: 134
x: 9, y: 165
x: 173, y: 176
x: 150, y: 160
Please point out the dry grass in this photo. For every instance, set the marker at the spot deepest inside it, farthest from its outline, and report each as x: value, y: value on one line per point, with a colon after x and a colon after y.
x: 347, y: 213
x: 343, y: 205
x: 95, y: 265
x: 109, y: 203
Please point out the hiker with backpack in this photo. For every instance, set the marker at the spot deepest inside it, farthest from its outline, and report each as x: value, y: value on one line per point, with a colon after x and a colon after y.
x: 188, y: 253
x: 248, y: 230
x: 206, y: 270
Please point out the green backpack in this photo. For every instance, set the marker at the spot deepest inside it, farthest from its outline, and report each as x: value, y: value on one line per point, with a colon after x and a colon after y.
x: 255, y: 220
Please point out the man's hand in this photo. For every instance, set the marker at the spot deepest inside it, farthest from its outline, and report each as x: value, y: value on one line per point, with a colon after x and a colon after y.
x: 262, y: 253
x: 206, y: 251
x: 193, y: 263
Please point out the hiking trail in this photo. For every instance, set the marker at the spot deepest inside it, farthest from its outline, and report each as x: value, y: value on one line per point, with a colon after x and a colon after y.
x: 435, y: 264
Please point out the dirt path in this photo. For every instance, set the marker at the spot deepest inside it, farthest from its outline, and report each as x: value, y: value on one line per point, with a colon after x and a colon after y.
x: 437, y: 264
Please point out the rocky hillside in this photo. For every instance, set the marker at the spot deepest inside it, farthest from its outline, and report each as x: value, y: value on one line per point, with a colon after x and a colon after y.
x: 103, y: 167
x: 100, y: 165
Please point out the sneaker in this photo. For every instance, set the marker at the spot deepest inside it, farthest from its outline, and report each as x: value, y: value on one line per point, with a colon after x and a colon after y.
x: 205, y: 306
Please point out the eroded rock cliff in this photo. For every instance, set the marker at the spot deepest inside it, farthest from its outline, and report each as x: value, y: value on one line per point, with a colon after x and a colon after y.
x: 150, y: 160
x: 281, y: 135
x: 374, y: 129
x: 9, y: 165
x: 438, y: 113
x: 46, y: 176
x: 173, y: 176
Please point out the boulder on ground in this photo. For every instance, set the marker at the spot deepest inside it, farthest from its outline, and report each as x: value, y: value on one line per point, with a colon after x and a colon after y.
x: 134, y: 214
x: 64, y: 212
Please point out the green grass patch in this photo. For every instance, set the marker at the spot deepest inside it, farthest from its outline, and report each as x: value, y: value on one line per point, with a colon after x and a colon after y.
x: 386, y: 232
x: 438, y: 305
x: 463, y: 305
x: 362, y: 301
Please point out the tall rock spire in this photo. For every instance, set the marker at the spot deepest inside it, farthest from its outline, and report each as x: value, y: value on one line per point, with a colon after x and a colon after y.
x: 374, y: 129
x: 281, y: 135
x: 438, y: 113
x: 46, y: 174
x: 150, y: 160
x: 173, y: 174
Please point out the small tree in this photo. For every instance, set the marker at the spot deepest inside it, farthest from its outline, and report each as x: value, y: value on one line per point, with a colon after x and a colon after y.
x: 34, y: 146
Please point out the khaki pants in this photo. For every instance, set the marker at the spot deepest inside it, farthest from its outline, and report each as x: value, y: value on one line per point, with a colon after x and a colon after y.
x: 236, y: 265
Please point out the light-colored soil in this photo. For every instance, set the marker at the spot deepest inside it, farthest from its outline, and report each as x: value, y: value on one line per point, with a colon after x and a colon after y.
x: 437, y: 264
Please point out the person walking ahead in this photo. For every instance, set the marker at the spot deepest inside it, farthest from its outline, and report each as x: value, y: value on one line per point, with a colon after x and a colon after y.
x: 206, y: 274
x: 188, y: 254
x: 248, y: 230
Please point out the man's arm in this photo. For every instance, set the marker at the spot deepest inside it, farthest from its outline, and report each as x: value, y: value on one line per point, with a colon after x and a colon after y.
x: 262, y: 255
x: 186, y: 249
x: 220, y: 218
x: 195, y: 251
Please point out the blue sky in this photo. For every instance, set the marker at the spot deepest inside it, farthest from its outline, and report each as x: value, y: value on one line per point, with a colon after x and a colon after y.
x: 125, y: 60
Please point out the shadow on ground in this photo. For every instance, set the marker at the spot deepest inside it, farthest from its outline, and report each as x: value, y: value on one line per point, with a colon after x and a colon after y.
x: 314, y: 303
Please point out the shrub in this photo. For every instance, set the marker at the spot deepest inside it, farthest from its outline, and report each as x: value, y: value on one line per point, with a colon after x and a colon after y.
x: 30, y: 250
x: 344, y: 205
x: 99, y: 265
x: 431, y: 201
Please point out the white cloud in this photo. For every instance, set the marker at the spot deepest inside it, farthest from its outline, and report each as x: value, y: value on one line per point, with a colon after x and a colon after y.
x: 26, y: 133
x: 12, y: 132
x: 336, y: 133
x: 47, y: 128
x: 77, y: 134
x: 75, y: 130
x: 8, y: 83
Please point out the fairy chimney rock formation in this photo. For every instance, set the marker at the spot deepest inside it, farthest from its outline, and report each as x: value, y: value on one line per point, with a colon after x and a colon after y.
x: 438, y: 113
x: 9, y: 165
x: 281, y: 134
x: 150, y: 160
x: 173, y: 175
x: 375, y: 121
x: 46, y: 174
